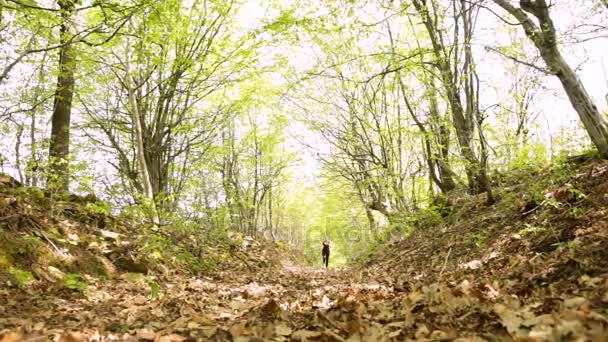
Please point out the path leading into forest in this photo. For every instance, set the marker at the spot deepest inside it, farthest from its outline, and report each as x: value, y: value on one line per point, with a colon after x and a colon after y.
x: 294, y: 303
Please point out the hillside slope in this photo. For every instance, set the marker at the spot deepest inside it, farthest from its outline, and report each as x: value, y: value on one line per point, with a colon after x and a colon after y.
x: 536, y: 262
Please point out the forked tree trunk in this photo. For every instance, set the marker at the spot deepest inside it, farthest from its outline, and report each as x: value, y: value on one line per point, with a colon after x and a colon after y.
x: 139, y: 141
x: 463, y: 120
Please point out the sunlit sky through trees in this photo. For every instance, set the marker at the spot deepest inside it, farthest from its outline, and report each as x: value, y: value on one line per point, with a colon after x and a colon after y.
x: 585, y: 46
x: 295, y: 50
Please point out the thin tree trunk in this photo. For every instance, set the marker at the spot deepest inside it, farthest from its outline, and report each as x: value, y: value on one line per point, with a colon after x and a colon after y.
x: 31, y: 179
x: 139, y: 142
x: 471, y: 81
x: 32, y: 172
x: 442, y: 157
x: 18, y: 152
x: 462, y: 120
x: 59, y: 147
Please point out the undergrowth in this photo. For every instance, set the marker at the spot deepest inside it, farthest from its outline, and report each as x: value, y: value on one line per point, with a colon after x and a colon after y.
x: 529, y: 185
x: 71, y: 241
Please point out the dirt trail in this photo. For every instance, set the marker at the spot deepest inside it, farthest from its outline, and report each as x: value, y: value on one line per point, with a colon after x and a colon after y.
x: 284, y: 304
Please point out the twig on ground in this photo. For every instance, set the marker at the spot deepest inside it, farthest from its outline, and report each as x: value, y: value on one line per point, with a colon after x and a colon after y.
x: 445, y: 262
x: 534, y: 209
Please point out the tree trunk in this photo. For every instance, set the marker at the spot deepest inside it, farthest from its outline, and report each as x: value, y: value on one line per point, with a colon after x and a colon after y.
x: 595, y: 123
x: 475, y: 174
x: 442, y: 157
x: 544, y: 37
x: 139, y: 141
x: 20, y: 129
x: 463, y: 120
x: 59, y: 147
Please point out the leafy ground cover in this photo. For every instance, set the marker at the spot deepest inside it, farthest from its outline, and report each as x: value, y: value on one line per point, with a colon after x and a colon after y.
x: 532, y: 267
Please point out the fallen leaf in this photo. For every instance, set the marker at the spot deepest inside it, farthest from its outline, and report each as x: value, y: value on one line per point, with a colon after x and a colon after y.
x: 172, y: 338
x: 146, y: 334
x: 12, y: 337
x: 574, y: 302
x: 283, y: 329
x: 72, y: 337
x: 303, y: 335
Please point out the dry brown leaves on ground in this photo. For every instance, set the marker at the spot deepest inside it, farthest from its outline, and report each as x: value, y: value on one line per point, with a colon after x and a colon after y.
x: 302, y: 304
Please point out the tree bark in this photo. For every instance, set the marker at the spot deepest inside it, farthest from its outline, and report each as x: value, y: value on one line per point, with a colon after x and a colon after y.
x: 442, y: 156
x: 594, y: 122
x: 59, y: 147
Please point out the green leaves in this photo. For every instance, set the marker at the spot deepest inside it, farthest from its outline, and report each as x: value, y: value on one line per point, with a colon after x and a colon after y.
x: 154, y: 289
x: 283, y: 22
x: 21, y: 277
x: 75, y: 282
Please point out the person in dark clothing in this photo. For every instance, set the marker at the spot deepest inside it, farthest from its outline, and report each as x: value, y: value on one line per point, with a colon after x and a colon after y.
x: 325, y: 253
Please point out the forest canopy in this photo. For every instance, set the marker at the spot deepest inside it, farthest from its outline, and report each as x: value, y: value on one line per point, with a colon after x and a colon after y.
x: 300, y: 120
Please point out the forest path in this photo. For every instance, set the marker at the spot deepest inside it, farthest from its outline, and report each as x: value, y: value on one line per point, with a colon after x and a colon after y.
x: 292, y: 303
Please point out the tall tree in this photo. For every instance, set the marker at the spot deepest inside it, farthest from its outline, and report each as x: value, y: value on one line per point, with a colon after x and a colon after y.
x: 447, y: 61
x: 59, y: 147
x: 140, y: 152
x: 435, y: 132
x: 185, y: 53
x: 252, y: 164
x: 534, y: 17
x: 370, y: 144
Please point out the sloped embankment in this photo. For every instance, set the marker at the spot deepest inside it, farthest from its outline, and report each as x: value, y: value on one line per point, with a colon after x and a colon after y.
x: 535, y: 264
x: 73, y: 241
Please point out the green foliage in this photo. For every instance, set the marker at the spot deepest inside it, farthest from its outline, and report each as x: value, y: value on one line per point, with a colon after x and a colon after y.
x: 531, y: 230
x: 141, y: 210
x: 553, y: 203
x: 75, y: 282
x: 99, y: 207
x: 576, y: 212
x: 180, y: 250
x: 536, y: 196
x: 211, y: 93
x: 154, y: 289
x: 22, y: 278
x: 572, y: 245
x: 423, y: 218
x: 29, y: 194
x: 332, y: 212
x: 530, y: 157
x: 479, y: 239
x: 578, y: 194
x: 283, y: 22
x: 19, y: 249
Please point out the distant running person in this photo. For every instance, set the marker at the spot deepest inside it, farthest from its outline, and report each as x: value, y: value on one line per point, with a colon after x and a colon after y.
x: 325, y: 253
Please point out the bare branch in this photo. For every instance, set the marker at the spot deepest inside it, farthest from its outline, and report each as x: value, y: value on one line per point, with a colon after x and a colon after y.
x: 515, y: 59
